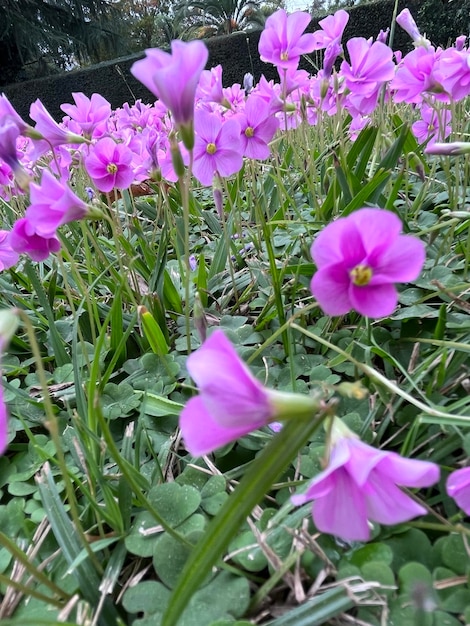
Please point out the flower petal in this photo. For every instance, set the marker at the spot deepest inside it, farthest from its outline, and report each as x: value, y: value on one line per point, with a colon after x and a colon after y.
x: 202, y: 434
x: 403, y: 261
x: 373, y: 300
x: 378, y: 228
x: 228, y: 389
x: 330, y: 286
x: 387, y: 504
x: 343, y: 511
x: 458, y: 488
x: 339, y: 241
x: 409, y: 472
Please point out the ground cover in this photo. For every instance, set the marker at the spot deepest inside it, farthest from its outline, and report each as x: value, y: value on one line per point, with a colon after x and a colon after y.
x: 200, y: 326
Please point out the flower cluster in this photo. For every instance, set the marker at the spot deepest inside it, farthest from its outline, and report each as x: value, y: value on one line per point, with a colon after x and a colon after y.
x: 359, y: 258
x: 198, y: 123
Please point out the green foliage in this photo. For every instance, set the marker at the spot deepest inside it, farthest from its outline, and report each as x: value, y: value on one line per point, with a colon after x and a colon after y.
x: 38, y: 38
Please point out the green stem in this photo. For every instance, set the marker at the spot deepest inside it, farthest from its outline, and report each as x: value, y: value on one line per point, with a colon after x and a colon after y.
x: 254, y: 485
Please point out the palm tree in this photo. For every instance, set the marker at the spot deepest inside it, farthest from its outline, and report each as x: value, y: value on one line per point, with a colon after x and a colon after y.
x: 216, y: 17
x: 38, y: 37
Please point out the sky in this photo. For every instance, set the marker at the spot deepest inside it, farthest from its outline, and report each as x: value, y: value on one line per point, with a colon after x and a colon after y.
x: 297, y: 5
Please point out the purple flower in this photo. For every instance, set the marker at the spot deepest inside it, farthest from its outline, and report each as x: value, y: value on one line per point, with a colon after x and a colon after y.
x: 371, y: 65
x: 448, y: 149
x: 248, y: 81
x: 109, y: 165
x: 258, y: 126
x: 9, y: 133
x: 434, y: 125
x: 8, y: 256
x: 453, y: 73
x: 173, y: 78
x: 458, y: 488
x: 283, y: 41
x: 362, y: 483
x: 88, y: 113
x: 216, y: 147
x: 231, y: 401
x: 406, y: 21
x: 415, y: 75
x: 8, y: 110
x: 332, y: 29
x: 210, y: 88
x: 460, y: 42
x: 359, y: 257
x: 49, y: 129
x: 53, y: 204
x: 23, y: 238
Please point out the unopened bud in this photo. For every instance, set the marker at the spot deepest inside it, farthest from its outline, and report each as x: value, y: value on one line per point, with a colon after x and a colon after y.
x: 8, y: 325
x: 177, y: 159
x: 448, y: 149
x: 218, y: 197
x: 248, y: 82
x: 200, y: 319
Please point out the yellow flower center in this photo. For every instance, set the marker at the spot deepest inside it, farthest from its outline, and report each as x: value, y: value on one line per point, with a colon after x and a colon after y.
x: 112, y: 168
x: 361, y: 275
x: 211, y: 148
x: 284, y: 56
x: 249, y: 132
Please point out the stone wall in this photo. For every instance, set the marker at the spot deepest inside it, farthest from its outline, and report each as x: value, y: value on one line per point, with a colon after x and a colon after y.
x: 237, y: 53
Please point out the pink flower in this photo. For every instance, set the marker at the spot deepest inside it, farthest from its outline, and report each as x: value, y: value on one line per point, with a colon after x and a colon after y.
x: 109, y: 165
x: 7, y: 109
x: 452, y: 148
x: 371, y: 66
x: 453, y: 73
x: 231, y: 401
x: 283, y: 41
x: 88, y: 113
x: 53, y: 204
x: 210, y: 88
x: 23, y: 238
x: 173, y: 78
x: 258, y: 126
x: 362, y: 483
x: 332, y: 29
x: 49, y: 129
x: 9, y: 133
x: 216, y: 147
x: 8, y: 256
x: 416, y: 74
x: 458, y: 488
x: 433, y: 126
x: 359, y: 257
x: 406, y: 21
